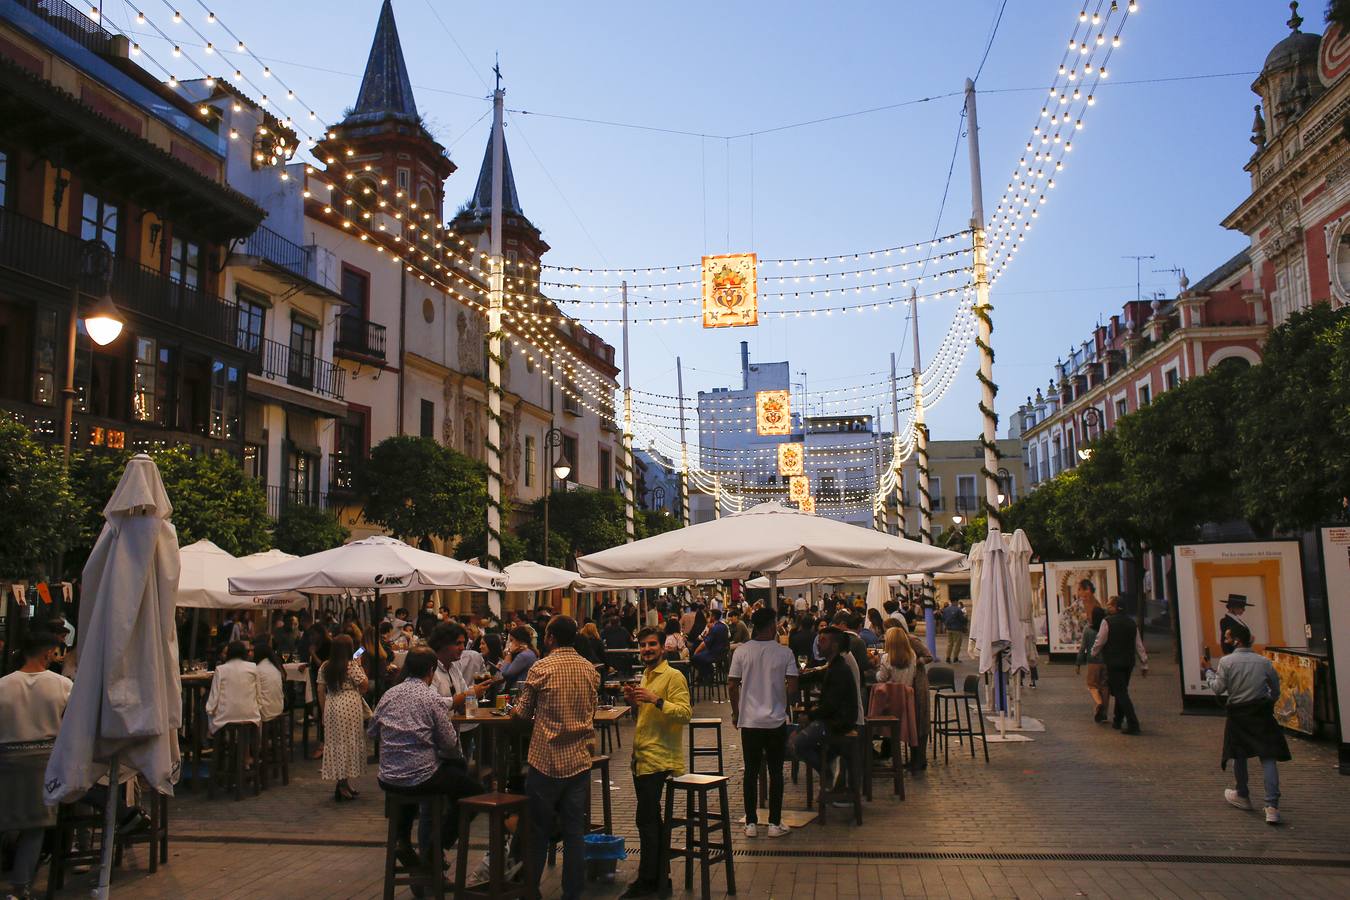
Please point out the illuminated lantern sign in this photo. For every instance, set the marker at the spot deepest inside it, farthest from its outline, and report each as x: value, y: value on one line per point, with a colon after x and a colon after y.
x: 730, y: 295
x: 773, y: 412
x: 808, y: 505
x: 790, y: 459
x: 799, y: 489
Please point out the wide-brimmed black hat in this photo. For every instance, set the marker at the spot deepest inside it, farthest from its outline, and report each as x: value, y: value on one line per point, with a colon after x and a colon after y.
x: 1236, y: 600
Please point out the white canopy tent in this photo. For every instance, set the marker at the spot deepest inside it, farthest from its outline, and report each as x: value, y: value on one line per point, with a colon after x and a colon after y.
x: 206, y: 571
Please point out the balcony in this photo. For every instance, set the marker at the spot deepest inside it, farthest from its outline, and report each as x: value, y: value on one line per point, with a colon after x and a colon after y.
x: 266, y: 244
x: 49, y: 254
x: 357, y: 337
x: 279, y: 497
x: 276, y: 360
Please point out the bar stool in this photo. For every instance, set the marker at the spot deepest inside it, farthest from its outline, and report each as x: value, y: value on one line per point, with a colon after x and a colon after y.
x: 229, y: 769
x: 947, y: 709
x: 397, y: 872
x: 157, y: 836
x: 695, y: 751
x: 877, y: 727
x: 609, y: 735
x: 72, y: 817
x: 849, y: 749
x: 696, y: 815
x: 275, y: 758
x: 497, y: 807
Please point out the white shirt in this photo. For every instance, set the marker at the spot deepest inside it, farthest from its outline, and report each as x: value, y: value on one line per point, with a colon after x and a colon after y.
x: 31, y: 705
x: 234, y: 695
x: 800, y: 603
x: 271, y: 697
x: 451, y: 681
x: 762, y: 668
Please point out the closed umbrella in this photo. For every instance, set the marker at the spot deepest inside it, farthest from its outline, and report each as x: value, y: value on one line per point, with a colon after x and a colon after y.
x: 1019, y: 554
x: 125, y: 707
x: 996, y: 627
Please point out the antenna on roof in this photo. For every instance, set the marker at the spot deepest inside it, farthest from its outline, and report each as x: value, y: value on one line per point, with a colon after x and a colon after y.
x: 1180, y: 275
x: 1138, y: 278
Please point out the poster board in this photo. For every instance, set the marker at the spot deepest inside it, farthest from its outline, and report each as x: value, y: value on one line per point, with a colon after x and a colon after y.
x: 1072, y: 589
x: 1040, y: 623
x: 1268, y: 573
x: 1335, y: 546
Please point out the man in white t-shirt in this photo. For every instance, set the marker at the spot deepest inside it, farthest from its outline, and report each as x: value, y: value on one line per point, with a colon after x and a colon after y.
x: 763, y: 675
x: 799, y: 604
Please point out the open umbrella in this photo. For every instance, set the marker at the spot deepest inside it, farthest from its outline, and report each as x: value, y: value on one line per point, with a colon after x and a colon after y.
x: 126, y: 705
x: 533, y: 576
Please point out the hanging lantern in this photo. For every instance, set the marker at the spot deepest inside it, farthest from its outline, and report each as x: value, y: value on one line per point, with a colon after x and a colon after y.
x: 730, y: 290
x: 799, y: 489
x: 773, y: 412
x: 790, y: 461
x: 808, y: 505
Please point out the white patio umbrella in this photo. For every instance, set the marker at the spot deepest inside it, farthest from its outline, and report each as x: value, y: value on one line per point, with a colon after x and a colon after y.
x: 762, y: 582
x: 532, y: 576
x: 126, y: 705
x: 206, y: 572
x: 996, y: 627
x: 878, y: 592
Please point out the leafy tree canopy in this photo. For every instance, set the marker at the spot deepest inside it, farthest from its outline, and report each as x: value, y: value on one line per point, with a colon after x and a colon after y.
x: 418, y: 489
x: 36, y: 503
x: 303, y: 530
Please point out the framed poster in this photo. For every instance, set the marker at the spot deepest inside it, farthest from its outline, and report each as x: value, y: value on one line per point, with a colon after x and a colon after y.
x: 1073, y: 589
x: 1039, y: 622
x: 799, y: 488
x: 1335, y: 546
x: 1268, y: 574
x: 790, y: 459
x: 730, y: 290
x: 773, y: 412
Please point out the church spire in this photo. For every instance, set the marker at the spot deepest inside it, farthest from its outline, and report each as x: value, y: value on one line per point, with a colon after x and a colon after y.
x: 480, y: 204
x: 386, y: 90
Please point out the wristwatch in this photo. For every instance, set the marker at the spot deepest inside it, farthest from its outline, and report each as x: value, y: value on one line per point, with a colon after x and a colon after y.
x: 660, y: 702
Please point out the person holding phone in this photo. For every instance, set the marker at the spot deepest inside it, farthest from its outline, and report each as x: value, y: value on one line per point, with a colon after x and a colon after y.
x: 341, y: 691
x: 519, y: 657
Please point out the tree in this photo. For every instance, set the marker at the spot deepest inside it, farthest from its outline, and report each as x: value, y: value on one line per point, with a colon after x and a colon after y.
x: 303, y: 530
x: 1293, y: 424
x: 651, y: 522
x: 213, y: 499
x: 37, y: 506
x: 580, y: 522
x: 419, y: 489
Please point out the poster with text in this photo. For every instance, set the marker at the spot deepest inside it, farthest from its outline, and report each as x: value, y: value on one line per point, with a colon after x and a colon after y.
x: 1072, y: 591
x: 1267, y: 574
x: 1336, y: 564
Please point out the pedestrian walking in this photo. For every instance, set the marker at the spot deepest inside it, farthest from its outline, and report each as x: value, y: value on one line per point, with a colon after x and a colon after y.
x: 663, y: 710
x: 956, y: 623
x: 1252, y: 686
x: 1096, y: 669
x: 763, y: 675
x: 1119, y: 645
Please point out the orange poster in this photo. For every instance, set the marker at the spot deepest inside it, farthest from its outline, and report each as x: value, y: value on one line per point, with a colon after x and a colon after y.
x: 799, y: 488
x: 730, y: 290
x: 790, y: 460
x: 773, y: 412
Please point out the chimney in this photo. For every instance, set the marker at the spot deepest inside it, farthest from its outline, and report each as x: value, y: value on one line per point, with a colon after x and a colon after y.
x: 745, y: 365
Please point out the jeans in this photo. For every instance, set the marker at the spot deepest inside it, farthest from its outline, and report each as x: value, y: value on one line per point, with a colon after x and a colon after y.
x: 704, y: 663
x: 808, y: 745
x: 1270, y: 769
x: 554, y: 801
x: 450, y: 780
x: 1118, y: 681
x: 756, y: 744
x: 653, y: 866
x: 27, y: 851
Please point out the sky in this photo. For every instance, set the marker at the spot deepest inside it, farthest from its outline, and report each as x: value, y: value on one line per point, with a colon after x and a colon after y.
x: 1155, y: 169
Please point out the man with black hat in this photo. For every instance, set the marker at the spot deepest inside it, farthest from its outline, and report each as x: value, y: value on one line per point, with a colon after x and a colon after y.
x: 1252, y: 686
x: 1236, y: 604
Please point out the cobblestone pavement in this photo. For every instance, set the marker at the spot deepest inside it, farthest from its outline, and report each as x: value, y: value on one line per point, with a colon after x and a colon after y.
x: 1083, y: 811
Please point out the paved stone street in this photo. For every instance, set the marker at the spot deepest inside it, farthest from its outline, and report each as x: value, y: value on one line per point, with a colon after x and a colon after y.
x: 1082, y: 812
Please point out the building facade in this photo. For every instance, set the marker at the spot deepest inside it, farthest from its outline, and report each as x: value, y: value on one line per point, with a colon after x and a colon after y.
x: 956, y: 482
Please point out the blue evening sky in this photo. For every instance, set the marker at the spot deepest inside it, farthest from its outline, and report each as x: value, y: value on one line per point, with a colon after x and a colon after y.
x: 1153, y: 172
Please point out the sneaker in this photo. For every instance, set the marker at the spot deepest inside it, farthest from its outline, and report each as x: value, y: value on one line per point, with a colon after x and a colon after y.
x: 1236, y: 799
x: 1099, y: 714
x: 1272, y: 815
x: 779, y: 830
x: 751, y: 829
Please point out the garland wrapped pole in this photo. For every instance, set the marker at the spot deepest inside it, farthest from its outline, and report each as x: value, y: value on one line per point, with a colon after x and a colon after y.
x: 896, y: 525
x: 626, y: 463
x: 983, y: 312
x: 921, y: 464
x: 878, y: 499
x: 496, y: 279
x: 684, y: 448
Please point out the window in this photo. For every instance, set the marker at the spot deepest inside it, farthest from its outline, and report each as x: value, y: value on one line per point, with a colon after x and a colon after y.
x: 349, y: 450
x: 44, y: 359
x: 1070, y: 453
x: 300, y: 369
x: 1170, y: 379
x: 965, y: 493
x: 1122, y: 407
x: 1032, y: 463
x: 225, y: 383
x: 185, y: 263
x: 356, y: 290
x: 143, y: 381
x: 98, y: 221
x: 530, y: 460
x: 935, y: 492
x: 606, y: 470
x: 255, y: 461
x: 252, y: 318
x: 1145, y: 395
x: 569, y: 453
x: 427, y: 411
x: 302, y: 473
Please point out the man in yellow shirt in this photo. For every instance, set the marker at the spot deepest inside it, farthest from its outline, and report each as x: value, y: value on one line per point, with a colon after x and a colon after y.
x: 662, y: 699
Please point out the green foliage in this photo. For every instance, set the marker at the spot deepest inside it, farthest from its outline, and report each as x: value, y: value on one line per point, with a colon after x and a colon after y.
x: 303, y: 530
x: 651, y: 522
x: 580, y: 522
x: 1294, y: 424
x: 418, y: 489
x: 213, y: 499
x: 36, y: 503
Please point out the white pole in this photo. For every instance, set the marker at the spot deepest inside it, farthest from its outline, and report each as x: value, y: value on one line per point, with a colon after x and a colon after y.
x: 496, y: 291
x: 629, y: 485
x: 983, y: 312
x: 717, y: 495
x: 878, y: 511
x: 109, y: 830
x: 684, y: 448
x: 898, y: 520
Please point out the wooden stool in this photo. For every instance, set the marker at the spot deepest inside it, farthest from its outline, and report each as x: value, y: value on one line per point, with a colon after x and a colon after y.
x: 275, y: 758
x: 71, y: 817
x: 157, y: 836
x: 709, y: 853
x: 396, y: 872
x: 849, y: 749
x: 228, y: 766
x: 883, y: 726
x: 609, y: 735
x: 497, y: 807
x: 697, y: 725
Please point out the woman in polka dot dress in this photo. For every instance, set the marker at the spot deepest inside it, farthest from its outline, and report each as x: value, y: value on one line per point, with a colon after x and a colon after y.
x: 344, y: 712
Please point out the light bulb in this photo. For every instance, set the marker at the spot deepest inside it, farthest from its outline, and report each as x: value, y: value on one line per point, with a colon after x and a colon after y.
x: 173, y: 82
x: 135, y: 49
x: 210, y: 48
x: 210, y: 18
x: 1115, y: 41
x: 140, y: 18
x: 177, y: 17
x: 210, y: 81
x: 239, y: 47
x: 177, y: 51
x: 1091, y: 101
x: 205, y: 110
x: 267, y: 72
x: 233, y: 134
x: 1134, y: 6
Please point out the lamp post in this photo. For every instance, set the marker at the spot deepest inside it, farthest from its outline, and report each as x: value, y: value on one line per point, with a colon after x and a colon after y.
x: 1091, y: 419
x: 104, y: 324
x: 560, y: 467
x: 1003, y: 486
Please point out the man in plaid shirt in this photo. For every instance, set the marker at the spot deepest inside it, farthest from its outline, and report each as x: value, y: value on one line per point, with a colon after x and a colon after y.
x: 560, y: 697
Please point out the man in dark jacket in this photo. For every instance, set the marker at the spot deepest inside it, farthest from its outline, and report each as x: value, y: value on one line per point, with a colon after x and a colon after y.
x: 836, y: 709
x: 1119, y: 644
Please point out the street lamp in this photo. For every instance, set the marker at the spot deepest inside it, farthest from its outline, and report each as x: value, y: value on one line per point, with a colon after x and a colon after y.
x: 956, y: 519
x: 104, y: 324
x: 560, y: 467
x: 1004, y: 478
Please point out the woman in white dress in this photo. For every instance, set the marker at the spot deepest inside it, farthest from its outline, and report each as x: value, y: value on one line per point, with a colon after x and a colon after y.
x: 341, y: 691
x: 271, y: 680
